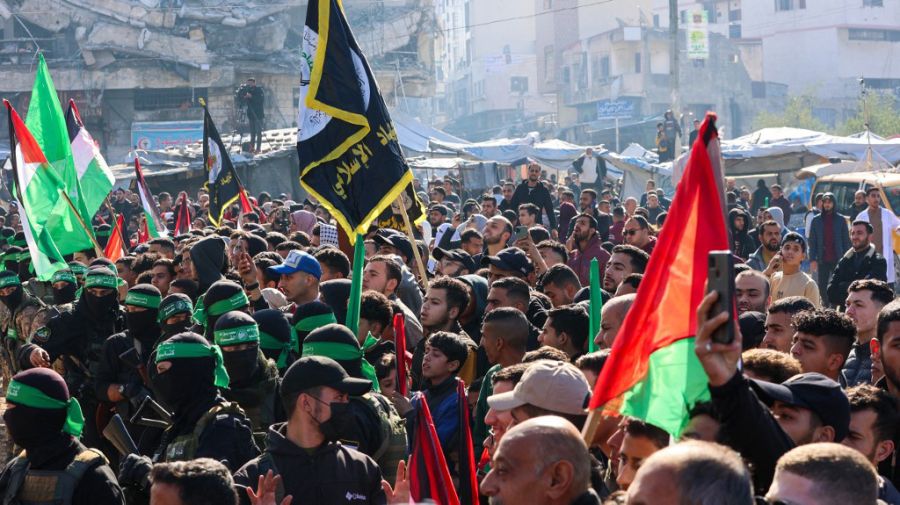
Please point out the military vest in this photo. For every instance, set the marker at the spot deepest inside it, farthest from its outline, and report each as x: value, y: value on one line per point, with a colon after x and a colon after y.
x: 184, y: 447
x: 393, y: 434
x: 45, y: 487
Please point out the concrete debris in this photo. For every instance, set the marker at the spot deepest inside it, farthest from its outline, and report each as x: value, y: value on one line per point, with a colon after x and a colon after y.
x: 121, y: 38
x: 5, y: 12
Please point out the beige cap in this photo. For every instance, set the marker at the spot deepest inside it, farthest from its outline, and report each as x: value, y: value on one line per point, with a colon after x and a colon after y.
x: 551, y: 385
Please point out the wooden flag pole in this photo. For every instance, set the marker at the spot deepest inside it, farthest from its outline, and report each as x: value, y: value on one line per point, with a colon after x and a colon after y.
x: 415, y: 247
x: 115, y: 220
x: 591, y: 425
x: 97, y: 248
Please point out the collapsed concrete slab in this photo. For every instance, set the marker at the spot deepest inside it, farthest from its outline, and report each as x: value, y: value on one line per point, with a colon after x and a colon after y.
x: 142, y: 42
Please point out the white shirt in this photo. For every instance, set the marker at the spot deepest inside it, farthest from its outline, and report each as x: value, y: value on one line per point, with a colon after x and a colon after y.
x: 889, y: 223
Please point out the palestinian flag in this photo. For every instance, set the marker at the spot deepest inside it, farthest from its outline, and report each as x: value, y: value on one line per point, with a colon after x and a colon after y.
x: 95, y: 179
x: 47, y: 125
x: 154, y: 227
x: 37, y: 190
x: 350, y: 159
x: 222, y: 180
x: 652, y: 372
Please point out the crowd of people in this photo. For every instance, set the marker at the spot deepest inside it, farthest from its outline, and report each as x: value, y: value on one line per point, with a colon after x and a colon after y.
x: 223, y: 365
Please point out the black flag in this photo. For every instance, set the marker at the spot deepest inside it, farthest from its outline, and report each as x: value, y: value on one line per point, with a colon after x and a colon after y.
x: 350, y: 160
x: 222, y: 181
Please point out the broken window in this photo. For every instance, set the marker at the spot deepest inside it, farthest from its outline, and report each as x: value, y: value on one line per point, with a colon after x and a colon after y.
x: 173, y: 98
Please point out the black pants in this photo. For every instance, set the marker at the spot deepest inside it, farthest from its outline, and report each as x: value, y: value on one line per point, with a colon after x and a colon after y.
x: 255, y: 130
x: 822, y: 278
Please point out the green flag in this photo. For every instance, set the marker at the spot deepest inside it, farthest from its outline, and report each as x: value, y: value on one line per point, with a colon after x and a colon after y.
x: 596, y: 305
x: 37, y: 189
x: 46, y: 122
x: 359, y: 257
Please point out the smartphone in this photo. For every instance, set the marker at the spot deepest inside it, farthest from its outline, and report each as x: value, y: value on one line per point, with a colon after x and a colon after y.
x: 721, y: 278
x: 521, y: 232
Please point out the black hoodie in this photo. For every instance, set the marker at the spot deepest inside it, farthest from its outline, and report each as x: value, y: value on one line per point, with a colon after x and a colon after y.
x: 208, y: 256
x: 741, y: 243
x: 332, y: 473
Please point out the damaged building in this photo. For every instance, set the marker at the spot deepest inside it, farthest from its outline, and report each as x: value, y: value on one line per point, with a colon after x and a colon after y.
x: 138, y: 68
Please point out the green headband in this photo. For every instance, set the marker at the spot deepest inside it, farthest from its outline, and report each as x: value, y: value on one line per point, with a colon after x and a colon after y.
x: 19, y: 243
x: 269, y: 342
x: 63, y: 276
x: 138, y: 299
x: 10, y: 280
x: 235, y: 336
x: 234, y: 302
x: 27, y: 396
x: 171, y: 309
x: 99, y: 233
x: 343, y: 352
x: 310, y: 323
x: 101, y: 281
x: 78, y: 268
x: 175, y: 350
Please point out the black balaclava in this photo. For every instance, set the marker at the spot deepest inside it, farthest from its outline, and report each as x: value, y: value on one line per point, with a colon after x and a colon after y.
x: 336, y: 293
x: 171, y: 305
x: 189, y: 381
x: 241, y: 365
x: 31, y: 427
x: 64, y: 295
x: 280, y: 348
x: 220, y: 290
x: 100, y: 307
x: 309, y: 316
x: 14, y: 299
x: 143, y: 326
x: 11, y: 262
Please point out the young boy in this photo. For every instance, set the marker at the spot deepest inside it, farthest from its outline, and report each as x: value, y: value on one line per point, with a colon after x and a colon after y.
x: 445, y: 354
x: 790, y: 281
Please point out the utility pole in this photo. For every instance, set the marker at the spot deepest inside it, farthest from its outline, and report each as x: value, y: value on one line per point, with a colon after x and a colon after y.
x: 673, y: 66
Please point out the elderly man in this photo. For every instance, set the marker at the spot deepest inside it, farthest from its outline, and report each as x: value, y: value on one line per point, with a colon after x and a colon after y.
x: 542, y: 461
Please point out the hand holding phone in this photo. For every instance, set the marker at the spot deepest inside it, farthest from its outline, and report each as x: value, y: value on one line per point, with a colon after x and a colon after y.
x: 721, y: 279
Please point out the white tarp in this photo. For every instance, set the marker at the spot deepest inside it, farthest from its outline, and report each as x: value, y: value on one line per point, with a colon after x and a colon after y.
x: 772, y: 142
x: 556, y: 154
x: 414, y: 135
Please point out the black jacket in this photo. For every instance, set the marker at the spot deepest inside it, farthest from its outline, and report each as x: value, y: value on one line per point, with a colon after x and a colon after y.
x: 333, y: 473
x: 750, y: 428
x: 578, y: 166
x: 840, y: 234
x: 98, y: 486
x: 538, y: 195
x: 852, y: 266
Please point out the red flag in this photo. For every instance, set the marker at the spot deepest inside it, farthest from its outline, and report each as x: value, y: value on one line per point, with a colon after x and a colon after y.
x: 664, y: 311
x: 183, y: 223
x: 246, y: 208
x: 429, y: 476
x: 143, y: 232
x: 116, y: 245
x: 468, y: 478
x: 400, y: 344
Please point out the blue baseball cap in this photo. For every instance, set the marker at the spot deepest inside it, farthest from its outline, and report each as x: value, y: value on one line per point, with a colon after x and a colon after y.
x: 299, y: 261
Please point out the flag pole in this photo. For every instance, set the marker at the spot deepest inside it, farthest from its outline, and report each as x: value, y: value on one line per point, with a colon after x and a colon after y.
x: 97, y: 248
x: 415, y: 247
x: 115, y: 220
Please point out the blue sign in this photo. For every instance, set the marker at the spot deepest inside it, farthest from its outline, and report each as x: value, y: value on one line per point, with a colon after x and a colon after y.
x: 150, y: 135
x: 618, y: 109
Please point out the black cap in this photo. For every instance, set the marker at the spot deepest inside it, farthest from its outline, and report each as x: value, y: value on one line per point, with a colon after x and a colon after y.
x: 753, y: 328
x: 511, y: 258
x: 396, y: 240
x: 456, y: 255
x: 830, y: 196
x: 316, y: 371
x: 811, y: 391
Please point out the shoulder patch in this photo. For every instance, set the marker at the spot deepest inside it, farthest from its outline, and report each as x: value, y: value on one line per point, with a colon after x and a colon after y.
x: 42, y: 335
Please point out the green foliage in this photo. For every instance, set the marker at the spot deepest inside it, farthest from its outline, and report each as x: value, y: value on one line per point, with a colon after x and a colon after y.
x: 797, y: 114
x: 884, y: 118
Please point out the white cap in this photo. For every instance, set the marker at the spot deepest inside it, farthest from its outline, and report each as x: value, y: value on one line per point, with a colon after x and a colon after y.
x: 551, y: 385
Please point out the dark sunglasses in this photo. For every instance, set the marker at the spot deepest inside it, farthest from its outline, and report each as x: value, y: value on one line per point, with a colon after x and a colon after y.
x: 629, y: 233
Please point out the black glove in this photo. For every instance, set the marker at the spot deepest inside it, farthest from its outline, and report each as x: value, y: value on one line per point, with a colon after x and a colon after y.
x: 134, y: 471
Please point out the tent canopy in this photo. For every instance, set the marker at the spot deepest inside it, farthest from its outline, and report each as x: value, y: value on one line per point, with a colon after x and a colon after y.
x: 791, y: 149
